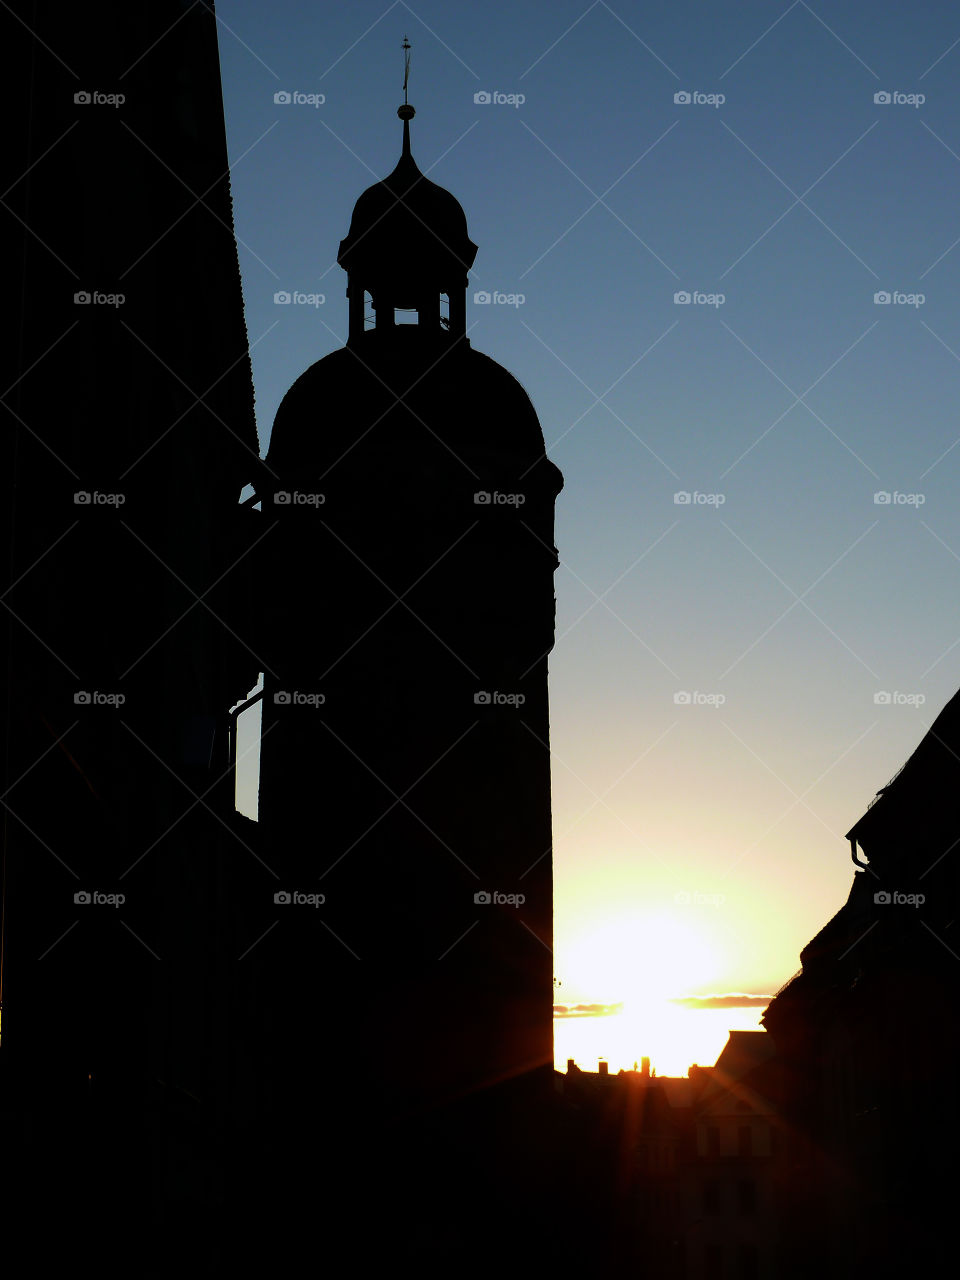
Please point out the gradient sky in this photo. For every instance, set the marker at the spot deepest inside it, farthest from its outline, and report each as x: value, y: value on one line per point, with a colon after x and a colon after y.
x: 700, y: 841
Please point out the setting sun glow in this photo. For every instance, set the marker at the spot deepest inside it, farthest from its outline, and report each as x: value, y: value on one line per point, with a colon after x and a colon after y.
x: 638, y: 965
x: 640, y: 958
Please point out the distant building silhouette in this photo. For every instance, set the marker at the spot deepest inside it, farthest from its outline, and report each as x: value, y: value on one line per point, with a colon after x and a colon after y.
x: 735, y: 1204
x: 636, y: 1142
x: 690, y: 1176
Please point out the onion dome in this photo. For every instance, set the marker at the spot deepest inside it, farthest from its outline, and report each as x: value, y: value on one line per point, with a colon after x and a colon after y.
x: 407, y: 230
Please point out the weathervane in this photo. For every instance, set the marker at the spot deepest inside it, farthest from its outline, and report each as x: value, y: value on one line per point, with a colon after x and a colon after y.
x: 406, y: 112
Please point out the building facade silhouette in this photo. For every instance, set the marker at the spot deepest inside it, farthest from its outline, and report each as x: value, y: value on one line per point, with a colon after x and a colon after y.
x: 866, y: 1025
x: 188, y: 1047
x: 405, y: 617
x: 128, y: 434
x: 694, y: 1171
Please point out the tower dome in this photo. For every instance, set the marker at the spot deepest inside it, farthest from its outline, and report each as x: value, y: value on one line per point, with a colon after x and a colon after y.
x: 407, y: 246
x: 407, y: 220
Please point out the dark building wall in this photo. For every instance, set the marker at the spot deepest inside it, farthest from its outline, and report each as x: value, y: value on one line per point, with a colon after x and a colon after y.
x: 114, y: 1015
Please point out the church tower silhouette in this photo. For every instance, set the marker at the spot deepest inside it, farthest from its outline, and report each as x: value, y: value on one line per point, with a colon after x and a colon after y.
x: 407, y: 609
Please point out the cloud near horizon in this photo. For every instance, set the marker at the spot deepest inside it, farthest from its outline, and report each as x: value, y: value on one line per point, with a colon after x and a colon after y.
x: 732, y: 1000
x: 729, y: 1000
x: 586, y: 1010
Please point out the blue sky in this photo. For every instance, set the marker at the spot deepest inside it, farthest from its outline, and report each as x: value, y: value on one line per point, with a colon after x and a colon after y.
x: 786, y: 590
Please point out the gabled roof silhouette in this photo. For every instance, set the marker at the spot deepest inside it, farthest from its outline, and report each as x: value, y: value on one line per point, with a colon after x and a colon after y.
x: 743, y: 1052
x: 741, y: 1071
x: 932, y: 771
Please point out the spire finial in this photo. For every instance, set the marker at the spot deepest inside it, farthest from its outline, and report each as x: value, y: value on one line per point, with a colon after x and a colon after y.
x: 406, y: 112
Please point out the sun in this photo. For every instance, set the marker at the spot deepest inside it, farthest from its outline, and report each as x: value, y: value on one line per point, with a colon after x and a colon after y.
x: 640, y: 958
